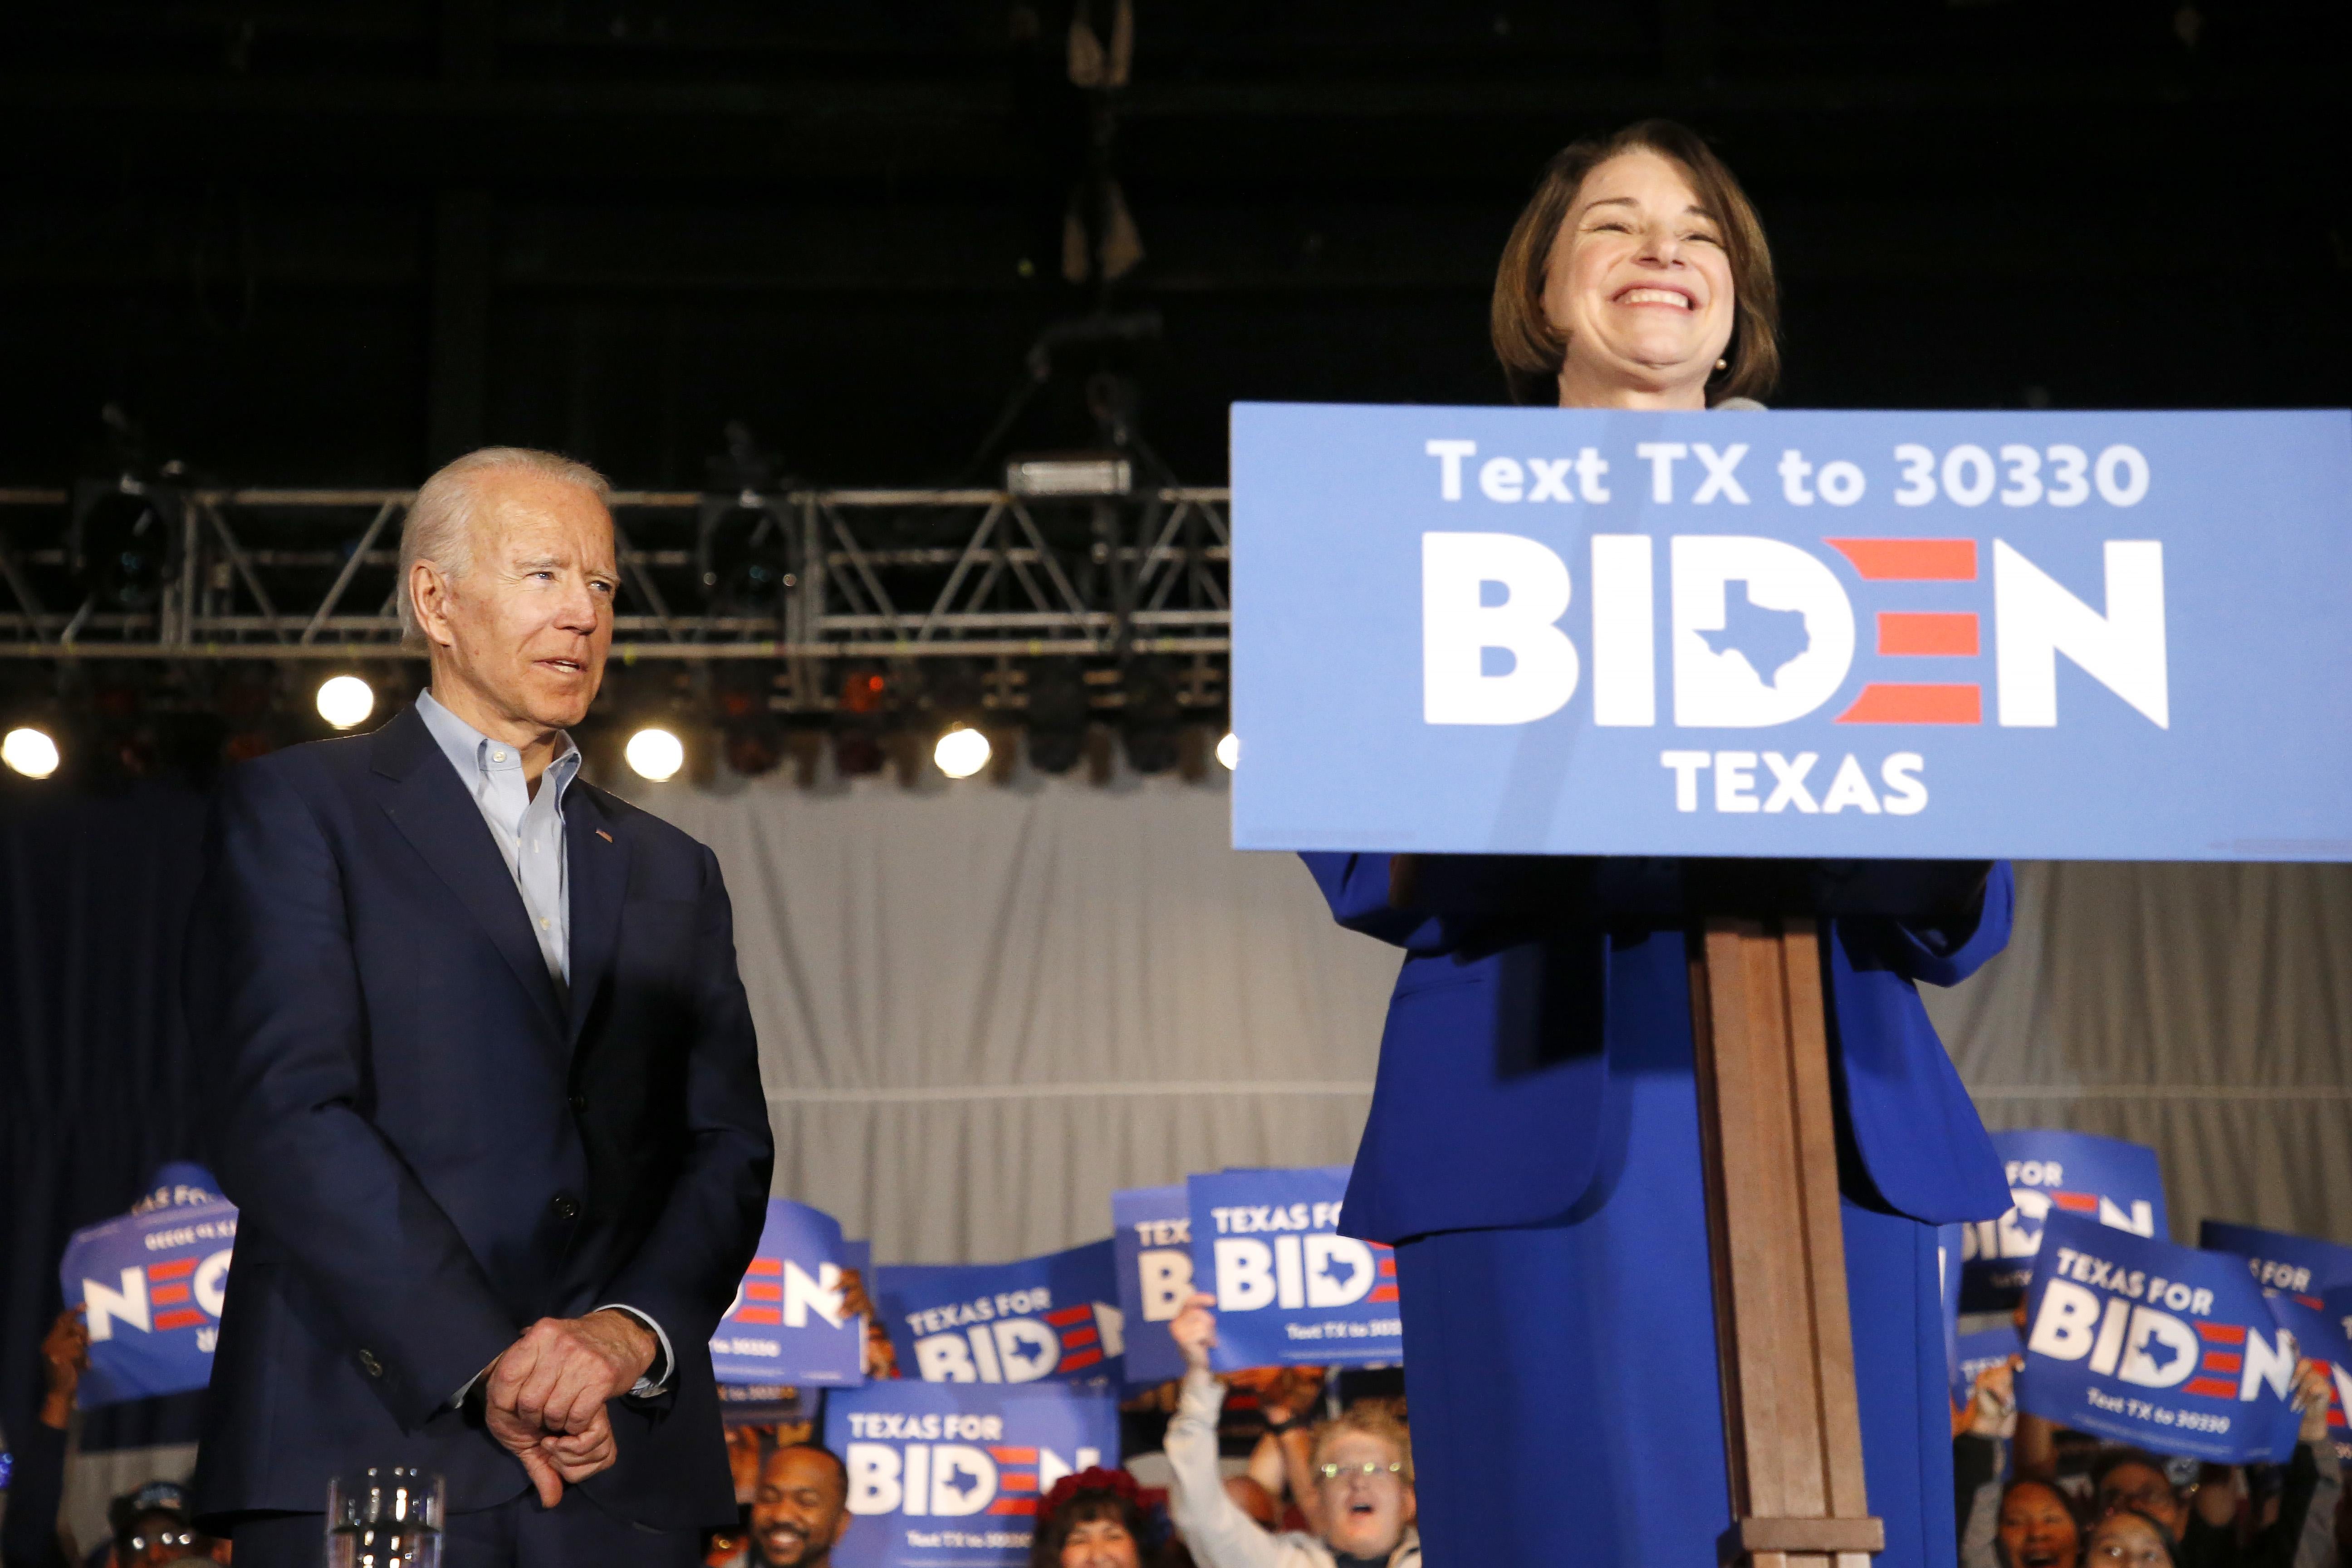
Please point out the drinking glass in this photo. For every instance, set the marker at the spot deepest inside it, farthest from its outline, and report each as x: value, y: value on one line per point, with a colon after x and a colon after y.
x: 383, y: 1515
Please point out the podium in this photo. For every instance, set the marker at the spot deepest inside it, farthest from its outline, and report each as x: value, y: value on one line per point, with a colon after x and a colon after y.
x: 1793, y: 1428
x: 1439, y: 651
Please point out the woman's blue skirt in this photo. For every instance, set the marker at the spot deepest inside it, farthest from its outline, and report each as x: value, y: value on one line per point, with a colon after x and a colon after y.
x: 1565, y: 1402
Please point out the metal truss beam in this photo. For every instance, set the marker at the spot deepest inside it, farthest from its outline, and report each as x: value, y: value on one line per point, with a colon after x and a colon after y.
x: 850, y: 574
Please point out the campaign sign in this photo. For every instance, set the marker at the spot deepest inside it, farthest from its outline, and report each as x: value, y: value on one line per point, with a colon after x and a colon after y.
x: 1152, y: 1241
x: 1974, y: 1353
x: 1603, y: 632
x: 788, y: 1324
x: 2107, y: 1179
x: 2164, y: 1347
x: 1051, y: 1317
x: 948, y: 1475
x: 2296, y: 1263
x: 1291, y: 1290
x: 2321, y: 1326
x: 151, y: 1287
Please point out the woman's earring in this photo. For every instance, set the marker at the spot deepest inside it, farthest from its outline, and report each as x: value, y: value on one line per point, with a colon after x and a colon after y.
x: 1722, y: 365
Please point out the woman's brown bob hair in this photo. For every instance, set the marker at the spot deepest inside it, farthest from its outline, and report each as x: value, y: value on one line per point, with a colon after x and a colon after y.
x: 1525, y: 340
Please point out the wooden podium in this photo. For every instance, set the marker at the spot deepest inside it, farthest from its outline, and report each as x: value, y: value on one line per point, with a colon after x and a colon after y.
x: 1792, y: 1430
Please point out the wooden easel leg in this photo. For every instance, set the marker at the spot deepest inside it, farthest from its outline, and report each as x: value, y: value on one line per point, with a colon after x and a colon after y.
x: 1791, y: 1424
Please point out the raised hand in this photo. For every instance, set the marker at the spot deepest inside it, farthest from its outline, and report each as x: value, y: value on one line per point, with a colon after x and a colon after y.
x: 1195, y: 1329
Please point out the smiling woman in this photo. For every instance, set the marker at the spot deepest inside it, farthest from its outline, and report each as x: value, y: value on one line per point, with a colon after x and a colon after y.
x: 1637, y: 276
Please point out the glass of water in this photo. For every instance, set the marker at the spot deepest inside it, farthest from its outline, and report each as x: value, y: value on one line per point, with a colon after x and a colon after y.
x: 383, y: 1515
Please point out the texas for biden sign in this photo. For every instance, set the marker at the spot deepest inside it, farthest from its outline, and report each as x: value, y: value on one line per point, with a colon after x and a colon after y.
x: 2094, y: 636
x: 1290, y: 1290
x: 950, y: 1475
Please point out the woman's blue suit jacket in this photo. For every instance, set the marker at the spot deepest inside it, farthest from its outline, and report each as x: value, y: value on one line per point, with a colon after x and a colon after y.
x: 1489, y: 1111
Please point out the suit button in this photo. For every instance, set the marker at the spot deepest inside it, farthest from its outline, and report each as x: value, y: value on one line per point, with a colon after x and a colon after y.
x: 580, y: 1103
x: 566, y: 1207
x: 370, y: 1365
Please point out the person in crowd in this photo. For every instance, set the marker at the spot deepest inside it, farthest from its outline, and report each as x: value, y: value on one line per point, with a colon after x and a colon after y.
x: 151, y: 1528
x: 1095, y: 1518
x: 2199, y: 1520
x: 483, y: 1083
x: 1281, y: 1464
x: 1533, y: 1148
x: 1361, y: 1463
x: 802, y: 1508
x: 29, y: 1535
x: 1249, y: 1495
x: 2131, y: 1537
x: 2031, y: 1524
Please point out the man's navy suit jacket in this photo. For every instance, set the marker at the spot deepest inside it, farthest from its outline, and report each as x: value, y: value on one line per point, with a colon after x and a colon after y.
x: 1492, y: 1107
x: 430, y: 1151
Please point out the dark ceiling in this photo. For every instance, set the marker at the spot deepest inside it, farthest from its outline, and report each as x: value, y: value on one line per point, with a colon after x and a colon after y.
x: 328, y: 243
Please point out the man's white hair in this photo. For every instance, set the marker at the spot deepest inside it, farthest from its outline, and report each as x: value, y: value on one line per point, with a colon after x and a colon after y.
x: 439, y: 527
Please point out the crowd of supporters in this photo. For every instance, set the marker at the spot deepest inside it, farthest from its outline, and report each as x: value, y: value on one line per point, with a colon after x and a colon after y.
x: 1326, y: 1485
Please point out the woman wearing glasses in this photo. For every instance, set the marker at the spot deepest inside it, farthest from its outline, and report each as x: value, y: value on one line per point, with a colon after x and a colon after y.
x: 1361, y: 1476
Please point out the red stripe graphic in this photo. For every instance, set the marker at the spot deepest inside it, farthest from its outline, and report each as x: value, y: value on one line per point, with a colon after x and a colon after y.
x: 186, y: 1318
x: 2222, y: 1361
x: 2076, y: 1203
x: 1928, y: 632
x: 753, y: 1291
x: 1382, y: 1293
x: 1892, y: 702
x: 1014, y: 1455
x: 2224, y: 1333
x: 1910, y: 559
x: 179, y: 1268
x: 2211, y: 1387
x: 1027, y: 1505
x: 759, y: 1315
x: 1083, y: 1359
x: 1074, y: 1338
x: 167, y: 1294
x: 1020, y: 1481
x: 1068, y: 1315
x: 766, y: 1266
x: 1388, y: 1268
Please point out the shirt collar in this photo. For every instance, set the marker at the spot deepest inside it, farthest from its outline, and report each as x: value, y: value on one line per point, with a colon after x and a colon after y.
x: 474, y: 754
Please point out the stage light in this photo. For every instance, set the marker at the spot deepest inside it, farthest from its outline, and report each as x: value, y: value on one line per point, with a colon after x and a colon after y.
x: 654, y: 754
x: 1077, y: 473
x: 345, y: 700
x: 1229, y: 749
x: 29, y: 751
x: 961, y: 752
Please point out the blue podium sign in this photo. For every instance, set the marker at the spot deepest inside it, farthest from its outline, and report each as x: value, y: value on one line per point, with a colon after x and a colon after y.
x: 1569, y: 631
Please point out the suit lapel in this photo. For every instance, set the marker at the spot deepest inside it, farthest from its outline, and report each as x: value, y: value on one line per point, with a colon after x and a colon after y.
x: 596, y: 860
x: 423, y: 796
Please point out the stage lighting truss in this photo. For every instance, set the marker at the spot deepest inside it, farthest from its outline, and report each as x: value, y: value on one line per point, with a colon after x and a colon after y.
x: 874, y: 576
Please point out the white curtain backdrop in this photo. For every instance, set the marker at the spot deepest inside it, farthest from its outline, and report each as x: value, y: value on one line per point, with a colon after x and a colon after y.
x: 983, y: 1009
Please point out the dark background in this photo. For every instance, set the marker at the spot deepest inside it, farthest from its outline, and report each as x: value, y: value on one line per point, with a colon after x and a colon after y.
x: 333, y: 243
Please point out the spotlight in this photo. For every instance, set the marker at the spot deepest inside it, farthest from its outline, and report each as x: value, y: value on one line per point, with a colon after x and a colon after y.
x: 654, y: 754
x: 345, y: 700
x: 961, y: 752
x: 29, y: 751
x: 1229, y: 749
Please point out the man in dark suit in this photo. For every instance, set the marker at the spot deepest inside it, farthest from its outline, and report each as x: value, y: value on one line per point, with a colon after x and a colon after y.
x: 484, y: 1085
